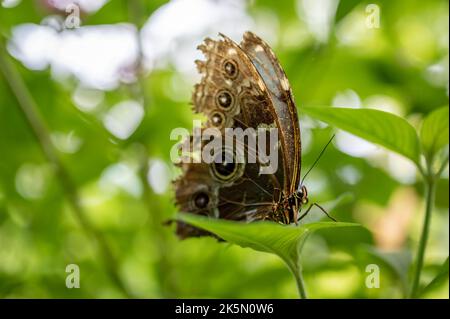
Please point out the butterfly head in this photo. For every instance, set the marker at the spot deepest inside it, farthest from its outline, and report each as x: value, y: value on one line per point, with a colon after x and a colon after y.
x: 302, y: 194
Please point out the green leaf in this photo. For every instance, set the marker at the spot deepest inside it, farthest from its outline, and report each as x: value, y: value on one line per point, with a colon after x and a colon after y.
x: 434, y: 132
x: 440, y: 278
x: 386, y: 129
x: 398, y: 262
x: 284, y: 241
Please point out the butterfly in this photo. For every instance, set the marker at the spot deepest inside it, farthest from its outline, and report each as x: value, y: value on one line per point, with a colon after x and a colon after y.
x: 243, y: 86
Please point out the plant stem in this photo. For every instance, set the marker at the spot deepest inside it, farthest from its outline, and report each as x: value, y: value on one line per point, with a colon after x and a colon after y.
x: 296, y: 271
x: 430, y: 189
x: 441, y: 169
x: 29, y: 110
x: 300, y: 284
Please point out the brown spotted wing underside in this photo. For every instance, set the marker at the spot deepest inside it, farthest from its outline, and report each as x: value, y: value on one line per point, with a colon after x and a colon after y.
x: 242, y: 86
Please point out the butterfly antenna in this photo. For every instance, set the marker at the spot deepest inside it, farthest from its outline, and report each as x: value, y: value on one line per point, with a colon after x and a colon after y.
x: 317, y: 159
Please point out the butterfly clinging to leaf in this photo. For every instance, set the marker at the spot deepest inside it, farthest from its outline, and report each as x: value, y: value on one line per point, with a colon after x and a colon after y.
x: 243, y: 86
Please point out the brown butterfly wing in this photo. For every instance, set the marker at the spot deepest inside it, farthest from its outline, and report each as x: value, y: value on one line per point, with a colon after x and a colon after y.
x: 283, y: 103
x: 249, y: 195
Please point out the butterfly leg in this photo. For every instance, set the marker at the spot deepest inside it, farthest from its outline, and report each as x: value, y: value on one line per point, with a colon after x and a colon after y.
x: 305, y: 213
x: 320, y: 207
x: 325, y: 212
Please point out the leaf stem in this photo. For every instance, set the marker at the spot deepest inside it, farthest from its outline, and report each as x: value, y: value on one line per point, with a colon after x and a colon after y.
x: 442, y: 167
x: 300, y: 284
x: 296, y: 271
x: 430, y: 179
x: 430, y: 190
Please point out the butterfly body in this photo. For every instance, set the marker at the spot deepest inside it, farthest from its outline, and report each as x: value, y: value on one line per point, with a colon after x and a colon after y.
x: 243, y: 87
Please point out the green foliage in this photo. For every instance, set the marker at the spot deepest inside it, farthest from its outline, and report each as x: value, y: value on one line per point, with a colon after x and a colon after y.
x: 374, y: 126
x: 120, y: 242
x: 269, y: 237
x: 284, y: 241
x: 435, y: 131
x: 398, y: 263
x: 398, y: 135
x: 441, y: 278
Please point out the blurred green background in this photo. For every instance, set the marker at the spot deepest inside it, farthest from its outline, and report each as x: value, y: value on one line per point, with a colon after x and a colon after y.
x: 110, y: 91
